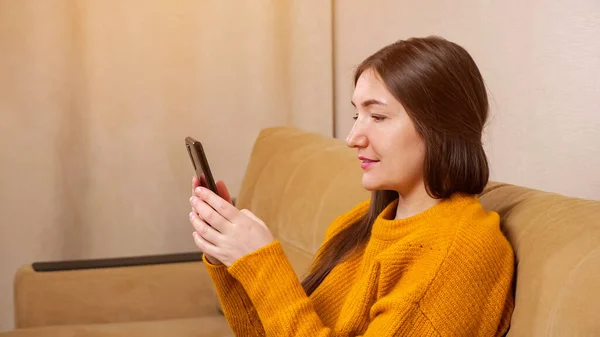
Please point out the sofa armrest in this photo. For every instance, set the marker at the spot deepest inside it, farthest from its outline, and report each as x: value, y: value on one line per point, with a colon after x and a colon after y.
x: 113, y: 290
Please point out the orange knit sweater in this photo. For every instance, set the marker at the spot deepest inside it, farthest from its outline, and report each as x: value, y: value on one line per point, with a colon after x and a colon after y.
x: 444, y: 272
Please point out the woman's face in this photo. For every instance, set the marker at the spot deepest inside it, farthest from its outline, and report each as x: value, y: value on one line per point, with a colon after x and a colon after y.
x: 389, y: 148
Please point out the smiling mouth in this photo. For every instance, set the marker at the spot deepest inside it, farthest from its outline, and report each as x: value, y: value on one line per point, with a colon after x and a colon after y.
x: 368, y: 163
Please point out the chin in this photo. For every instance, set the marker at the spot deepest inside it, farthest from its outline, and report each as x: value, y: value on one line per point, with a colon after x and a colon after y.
x: 371, y: 184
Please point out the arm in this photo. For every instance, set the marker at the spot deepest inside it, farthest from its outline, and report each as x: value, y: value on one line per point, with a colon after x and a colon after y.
x: 469, y: 293
x: 285, y: 310
x: 237, y: 306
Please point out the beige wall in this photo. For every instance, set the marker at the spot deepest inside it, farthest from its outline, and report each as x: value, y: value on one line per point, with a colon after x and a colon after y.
x: 541, y: 62
x: 97, y: 96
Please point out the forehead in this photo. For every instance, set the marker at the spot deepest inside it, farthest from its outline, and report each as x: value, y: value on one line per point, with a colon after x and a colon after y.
x: 370, y: 86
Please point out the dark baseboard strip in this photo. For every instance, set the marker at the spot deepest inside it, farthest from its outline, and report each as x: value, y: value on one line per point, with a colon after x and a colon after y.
x: 116, y: 262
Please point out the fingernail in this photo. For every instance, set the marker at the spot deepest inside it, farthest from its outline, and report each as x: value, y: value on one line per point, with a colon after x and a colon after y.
x: 193, y: 200
x: 198, y: 190
x: 191, y: 215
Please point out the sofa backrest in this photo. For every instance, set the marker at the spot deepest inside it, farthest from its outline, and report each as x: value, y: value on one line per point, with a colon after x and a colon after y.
x: 557, y: 248
x: 299, y: 182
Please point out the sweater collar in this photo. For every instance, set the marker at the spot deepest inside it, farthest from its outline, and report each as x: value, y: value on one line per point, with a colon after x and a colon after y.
x: 386, y: 228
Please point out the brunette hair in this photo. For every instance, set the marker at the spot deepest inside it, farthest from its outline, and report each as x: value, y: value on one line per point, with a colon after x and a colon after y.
x: 441, y: 88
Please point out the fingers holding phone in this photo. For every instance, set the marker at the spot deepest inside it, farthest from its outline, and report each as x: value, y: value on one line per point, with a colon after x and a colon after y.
x: 195, y: 183
x: 222, y: 190
x: 203, y: 178
x: 223, y: 193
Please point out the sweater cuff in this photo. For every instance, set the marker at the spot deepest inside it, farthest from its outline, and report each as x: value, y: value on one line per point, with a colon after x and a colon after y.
x: 218, y: 273
x: 269, y: 279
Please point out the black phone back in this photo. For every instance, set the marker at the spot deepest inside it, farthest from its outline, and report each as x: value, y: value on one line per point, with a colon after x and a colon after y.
x: 200, y: 163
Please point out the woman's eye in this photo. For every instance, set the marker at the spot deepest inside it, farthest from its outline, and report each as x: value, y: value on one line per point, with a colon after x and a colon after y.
x: 355, y: 117
x: 378, y: 118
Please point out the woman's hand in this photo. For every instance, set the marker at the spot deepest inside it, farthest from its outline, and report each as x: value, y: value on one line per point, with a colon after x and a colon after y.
x: 223, y: 231
x: 223, y: 192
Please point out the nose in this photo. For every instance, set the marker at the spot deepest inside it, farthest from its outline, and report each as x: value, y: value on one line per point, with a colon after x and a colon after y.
x: 357, y: 137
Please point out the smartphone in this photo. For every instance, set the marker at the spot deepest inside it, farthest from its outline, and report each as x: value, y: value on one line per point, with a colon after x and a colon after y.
x: 200, y: 163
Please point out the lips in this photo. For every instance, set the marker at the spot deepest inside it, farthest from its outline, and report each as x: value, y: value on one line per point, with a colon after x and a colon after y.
x: 367, y: 162
x: 366, y: 159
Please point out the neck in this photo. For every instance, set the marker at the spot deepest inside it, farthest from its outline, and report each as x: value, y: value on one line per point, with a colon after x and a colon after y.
x: 414, y: 202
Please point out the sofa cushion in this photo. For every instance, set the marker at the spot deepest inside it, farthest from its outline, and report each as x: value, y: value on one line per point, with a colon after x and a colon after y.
x: 207, y: 326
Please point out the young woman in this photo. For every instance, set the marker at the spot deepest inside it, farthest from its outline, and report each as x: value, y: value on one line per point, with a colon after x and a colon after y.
x: 421, y: 257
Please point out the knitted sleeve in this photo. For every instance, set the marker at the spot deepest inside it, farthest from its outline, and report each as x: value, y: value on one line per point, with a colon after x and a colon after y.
x: 237, y: 306
x: 285, y: 309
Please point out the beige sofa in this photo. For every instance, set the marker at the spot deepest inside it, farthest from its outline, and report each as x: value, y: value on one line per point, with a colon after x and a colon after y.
x: 297, y: 183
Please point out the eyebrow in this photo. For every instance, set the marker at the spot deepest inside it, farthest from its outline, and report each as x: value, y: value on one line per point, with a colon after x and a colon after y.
x: 369, y: 102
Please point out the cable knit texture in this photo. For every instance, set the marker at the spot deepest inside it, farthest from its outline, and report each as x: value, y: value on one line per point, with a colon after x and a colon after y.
x: 444, y: 272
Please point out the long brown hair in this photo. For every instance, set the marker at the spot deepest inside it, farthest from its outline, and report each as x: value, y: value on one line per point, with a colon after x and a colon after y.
x: 442, y: 90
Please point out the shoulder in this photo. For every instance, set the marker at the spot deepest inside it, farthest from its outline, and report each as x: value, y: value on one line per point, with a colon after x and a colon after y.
x: 474, y: 277
x: 473, y: 233
x: 479, y: 231
x: 478, y: 250
x: 465, y: 224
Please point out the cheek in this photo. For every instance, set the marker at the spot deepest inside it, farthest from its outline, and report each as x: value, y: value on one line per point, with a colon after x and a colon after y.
x: 407, y: 155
